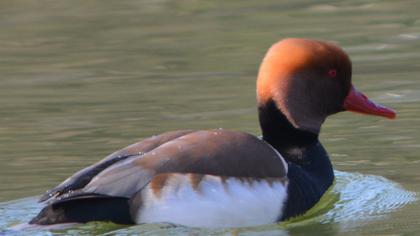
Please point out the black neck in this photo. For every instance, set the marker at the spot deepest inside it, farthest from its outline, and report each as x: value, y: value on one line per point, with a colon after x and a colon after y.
x: 310, y: 171
x: 279, y: 132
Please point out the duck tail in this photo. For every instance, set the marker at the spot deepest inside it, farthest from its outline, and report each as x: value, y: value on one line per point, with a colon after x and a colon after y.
x: 84, y: 208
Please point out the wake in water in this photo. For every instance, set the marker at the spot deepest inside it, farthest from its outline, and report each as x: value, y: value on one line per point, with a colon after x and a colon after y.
x: 355, y: 198
x: 366, y: 197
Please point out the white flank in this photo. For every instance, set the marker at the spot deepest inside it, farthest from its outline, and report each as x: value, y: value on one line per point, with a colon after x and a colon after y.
x: 214, y: 203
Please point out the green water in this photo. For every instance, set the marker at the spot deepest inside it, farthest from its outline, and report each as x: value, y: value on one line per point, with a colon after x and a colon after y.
x: 81, y: 79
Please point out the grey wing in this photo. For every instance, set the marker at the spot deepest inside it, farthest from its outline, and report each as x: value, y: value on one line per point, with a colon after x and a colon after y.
x: 83, y: 177
x: 211, y: 152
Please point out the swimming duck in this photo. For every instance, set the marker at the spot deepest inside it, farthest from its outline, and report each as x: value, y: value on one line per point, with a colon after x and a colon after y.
x: 222, y: 178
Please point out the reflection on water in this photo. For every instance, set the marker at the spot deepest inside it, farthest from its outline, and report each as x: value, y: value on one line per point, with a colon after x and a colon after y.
x: 81, y: 79
x: 354, y: 200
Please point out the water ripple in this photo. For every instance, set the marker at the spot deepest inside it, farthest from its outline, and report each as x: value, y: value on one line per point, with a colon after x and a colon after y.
x: 354, y: 200
x: 365, y: 197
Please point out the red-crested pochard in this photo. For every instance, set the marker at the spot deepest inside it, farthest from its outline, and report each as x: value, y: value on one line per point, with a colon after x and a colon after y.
x: 221, y: 178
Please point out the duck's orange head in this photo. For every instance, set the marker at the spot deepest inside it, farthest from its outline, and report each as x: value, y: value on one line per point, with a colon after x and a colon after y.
x: 309, y: 80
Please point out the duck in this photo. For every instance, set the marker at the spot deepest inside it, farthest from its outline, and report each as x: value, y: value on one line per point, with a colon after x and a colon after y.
x: 220, y: 178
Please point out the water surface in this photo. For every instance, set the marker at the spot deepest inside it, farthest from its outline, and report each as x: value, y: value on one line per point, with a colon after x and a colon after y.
x: 80, y: 79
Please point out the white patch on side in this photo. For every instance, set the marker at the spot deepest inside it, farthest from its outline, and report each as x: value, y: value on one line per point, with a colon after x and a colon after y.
x: 214, y: 203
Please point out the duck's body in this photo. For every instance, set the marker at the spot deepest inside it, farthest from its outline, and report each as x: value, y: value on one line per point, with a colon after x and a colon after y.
x: 166, y: 178
x: 221, y: 178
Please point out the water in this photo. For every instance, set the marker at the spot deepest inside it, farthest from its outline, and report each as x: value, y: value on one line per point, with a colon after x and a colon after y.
x: 354, y: 201
x: 82, y: 79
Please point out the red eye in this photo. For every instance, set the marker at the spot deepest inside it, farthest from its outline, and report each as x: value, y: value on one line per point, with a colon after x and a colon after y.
x: 332, y: 73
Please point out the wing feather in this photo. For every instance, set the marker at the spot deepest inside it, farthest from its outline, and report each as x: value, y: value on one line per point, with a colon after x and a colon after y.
x: 81, y: 178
